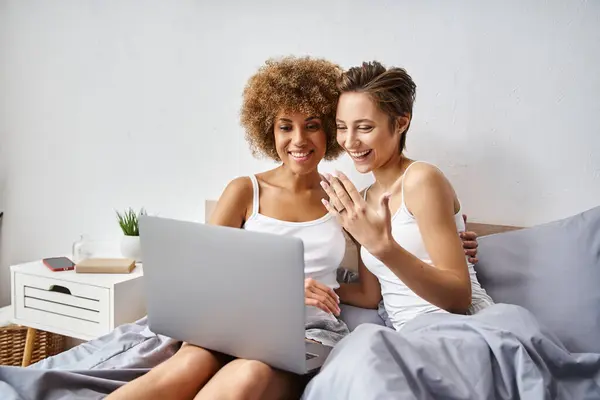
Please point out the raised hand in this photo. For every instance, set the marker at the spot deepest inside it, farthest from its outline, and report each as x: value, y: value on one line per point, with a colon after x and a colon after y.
x: 370, y: 226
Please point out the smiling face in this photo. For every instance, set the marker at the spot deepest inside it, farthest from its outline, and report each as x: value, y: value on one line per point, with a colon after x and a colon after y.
x: 302, y: 85
x: 374, y: 113
x: 369, y: 135
x: 300, y: 141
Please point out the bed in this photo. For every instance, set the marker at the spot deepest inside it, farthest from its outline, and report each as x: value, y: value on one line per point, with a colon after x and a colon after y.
x: 538, y: 343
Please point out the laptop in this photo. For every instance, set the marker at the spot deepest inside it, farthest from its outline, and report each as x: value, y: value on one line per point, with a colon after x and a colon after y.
x: 229, y: 290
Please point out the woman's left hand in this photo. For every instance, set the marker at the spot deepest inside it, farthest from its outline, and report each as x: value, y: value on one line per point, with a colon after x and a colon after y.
x: 370, y: 226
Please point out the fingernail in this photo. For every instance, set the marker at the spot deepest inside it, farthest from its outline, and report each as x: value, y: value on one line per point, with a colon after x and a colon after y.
x: 325, y: 202
x: 324, y: 185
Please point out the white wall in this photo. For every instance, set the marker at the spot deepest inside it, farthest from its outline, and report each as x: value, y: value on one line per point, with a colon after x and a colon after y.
x: 109, y: 104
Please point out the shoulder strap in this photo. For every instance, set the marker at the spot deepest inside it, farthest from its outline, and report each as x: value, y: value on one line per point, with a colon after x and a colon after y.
x: 255, y: 194
x: 402, y: 204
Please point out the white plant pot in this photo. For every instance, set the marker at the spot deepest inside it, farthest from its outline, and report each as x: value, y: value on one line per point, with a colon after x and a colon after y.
x: 130, y: 247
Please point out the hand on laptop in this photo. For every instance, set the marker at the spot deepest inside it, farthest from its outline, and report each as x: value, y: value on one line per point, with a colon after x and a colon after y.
x: 321, y: 296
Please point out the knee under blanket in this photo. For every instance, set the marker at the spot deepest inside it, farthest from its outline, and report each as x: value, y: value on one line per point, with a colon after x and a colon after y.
x: 499, y: 353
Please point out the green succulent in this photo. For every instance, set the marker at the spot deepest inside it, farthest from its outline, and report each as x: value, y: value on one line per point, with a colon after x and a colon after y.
x: 128, y: 221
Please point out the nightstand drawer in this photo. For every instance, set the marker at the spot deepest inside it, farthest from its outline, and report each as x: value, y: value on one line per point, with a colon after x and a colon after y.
x: 62, y: 304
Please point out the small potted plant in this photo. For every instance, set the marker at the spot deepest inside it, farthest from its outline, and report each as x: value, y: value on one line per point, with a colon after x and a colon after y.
x: 130, y: 243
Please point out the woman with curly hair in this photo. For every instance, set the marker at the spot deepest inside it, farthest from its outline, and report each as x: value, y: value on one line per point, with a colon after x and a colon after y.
x: 288, y: 113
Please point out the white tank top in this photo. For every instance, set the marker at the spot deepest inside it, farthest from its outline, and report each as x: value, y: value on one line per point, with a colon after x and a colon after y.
x: 401, y: 303
x: 324, y: 244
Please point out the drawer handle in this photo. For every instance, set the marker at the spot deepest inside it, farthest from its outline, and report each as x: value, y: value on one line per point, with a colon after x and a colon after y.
x: 59, y: 289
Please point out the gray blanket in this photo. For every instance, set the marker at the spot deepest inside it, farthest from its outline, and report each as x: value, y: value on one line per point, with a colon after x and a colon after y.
x: 91, y: 370
x: 499, y: 353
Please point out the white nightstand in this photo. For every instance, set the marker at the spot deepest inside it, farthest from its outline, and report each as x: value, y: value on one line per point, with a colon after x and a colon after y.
x: 82, y: 306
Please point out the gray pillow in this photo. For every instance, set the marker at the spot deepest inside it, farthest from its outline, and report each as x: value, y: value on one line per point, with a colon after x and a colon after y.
x: 553, y: 270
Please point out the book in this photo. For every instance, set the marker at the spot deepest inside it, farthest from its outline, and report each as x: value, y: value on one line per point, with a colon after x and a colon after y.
x: 105, y: 266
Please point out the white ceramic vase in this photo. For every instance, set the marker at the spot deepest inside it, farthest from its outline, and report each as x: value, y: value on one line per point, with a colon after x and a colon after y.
x: 130, y: 247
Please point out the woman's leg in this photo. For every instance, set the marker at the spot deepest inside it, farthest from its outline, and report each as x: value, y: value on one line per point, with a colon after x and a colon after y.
x: 251, y: 380
x: 180, y: 377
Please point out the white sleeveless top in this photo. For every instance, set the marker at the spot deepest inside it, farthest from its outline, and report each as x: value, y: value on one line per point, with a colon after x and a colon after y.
x: 401, y: 303
x: 323, y: 239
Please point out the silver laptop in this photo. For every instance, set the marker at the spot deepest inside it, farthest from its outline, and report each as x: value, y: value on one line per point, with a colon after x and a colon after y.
x: 234, y: 291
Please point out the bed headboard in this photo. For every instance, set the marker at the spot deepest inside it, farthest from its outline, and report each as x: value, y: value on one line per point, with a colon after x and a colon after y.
x: 350, y: 260
x: 490, y: 229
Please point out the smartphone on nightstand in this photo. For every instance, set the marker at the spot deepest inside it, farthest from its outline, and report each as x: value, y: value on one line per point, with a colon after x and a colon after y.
x: 59, y: 264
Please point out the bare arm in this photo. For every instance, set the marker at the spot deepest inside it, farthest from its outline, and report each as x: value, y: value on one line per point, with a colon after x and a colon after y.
x: 365, y: 293
x: 232, y: 207
x: 430, y: 198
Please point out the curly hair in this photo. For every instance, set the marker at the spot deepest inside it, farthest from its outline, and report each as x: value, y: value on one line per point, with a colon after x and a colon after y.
x: 292, y: 84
